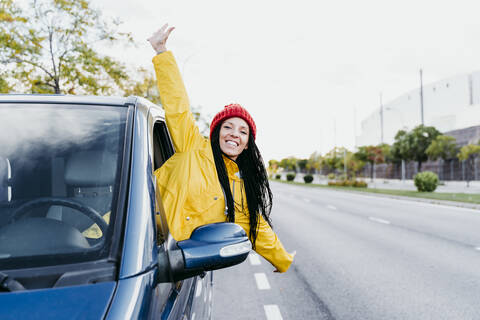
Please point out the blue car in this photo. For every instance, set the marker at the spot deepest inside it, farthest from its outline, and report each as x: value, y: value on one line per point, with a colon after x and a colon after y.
x: 83, y: 233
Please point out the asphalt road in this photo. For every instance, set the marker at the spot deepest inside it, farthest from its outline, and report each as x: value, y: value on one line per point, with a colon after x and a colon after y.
x: 359, y: 257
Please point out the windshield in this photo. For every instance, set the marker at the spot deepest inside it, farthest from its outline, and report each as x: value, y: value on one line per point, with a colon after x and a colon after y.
x: 59, y: 174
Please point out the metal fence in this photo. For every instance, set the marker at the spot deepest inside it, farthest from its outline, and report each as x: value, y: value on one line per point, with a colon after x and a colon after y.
x: 453, y: 170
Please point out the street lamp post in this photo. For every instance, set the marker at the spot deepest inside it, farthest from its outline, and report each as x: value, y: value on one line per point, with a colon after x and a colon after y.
x: 421, y: 95
x: 381, y: 119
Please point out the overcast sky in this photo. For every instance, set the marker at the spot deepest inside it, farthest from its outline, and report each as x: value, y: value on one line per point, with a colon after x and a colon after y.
x: 299, y: 66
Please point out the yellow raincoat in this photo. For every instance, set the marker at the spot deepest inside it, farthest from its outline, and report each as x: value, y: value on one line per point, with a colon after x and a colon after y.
x: 191, y: 193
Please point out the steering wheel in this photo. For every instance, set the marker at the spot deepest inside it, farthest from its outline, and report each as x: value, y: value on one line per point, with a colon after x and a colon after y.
x: 83, y: 208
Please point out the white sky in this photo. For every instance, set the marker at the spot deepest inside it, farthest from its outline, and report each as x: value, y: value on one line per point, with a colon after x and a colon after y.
x: 298, y: 65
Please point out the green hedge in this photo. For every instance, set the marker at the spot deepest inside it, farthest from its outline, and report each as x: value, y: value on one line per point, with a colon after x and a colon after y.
x: 348, y: 183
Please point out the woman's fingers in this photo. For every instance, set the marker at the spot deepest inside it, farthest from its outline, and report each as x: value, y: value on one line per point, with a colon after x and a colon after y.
x: 168, y: 32
x: 162, y: 29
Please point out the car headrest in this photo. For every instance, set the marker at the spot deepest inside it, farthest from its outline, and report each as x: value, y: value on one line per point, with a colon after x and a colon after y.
x: 90, y: 169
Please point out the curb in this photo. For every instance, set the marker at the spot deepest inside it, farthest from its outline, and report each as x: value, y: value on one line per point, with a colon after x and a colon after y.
x: 466, y: 205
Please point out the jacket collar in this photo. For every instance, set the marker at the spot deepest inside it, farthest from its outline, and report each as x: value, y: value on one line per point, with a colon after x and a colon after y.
x: 232, y: 168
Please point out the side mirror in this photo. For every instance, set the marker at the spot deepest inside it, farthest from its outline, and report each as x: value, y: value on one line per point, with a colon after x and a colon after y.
x: 210, y: 247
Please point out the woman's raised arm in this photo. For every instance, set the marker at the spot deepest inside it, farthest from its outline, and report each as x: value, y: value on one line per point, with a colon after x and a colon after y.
x: 180, y: 121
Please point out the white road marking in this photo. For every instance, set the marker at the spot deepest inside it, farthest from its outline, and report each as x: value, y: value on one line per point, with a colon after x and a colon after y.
x: 272, y: 312
x: 199, y: 288
x: 379, y: 220
x: 477, y: 248
x: 262, y: 281
x: 193, y: 316
x: 254, y: 259
x: 306, y: 200
x: 331, y: 207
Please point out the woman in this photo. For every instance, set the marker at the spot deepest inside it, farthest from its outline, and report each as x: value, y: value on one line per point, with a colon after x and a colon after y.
x: 197, y: 179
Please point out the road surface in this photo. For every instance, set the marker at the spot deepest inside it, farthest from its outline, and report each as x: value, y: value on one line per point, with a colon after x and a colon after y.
x: 359, y: 257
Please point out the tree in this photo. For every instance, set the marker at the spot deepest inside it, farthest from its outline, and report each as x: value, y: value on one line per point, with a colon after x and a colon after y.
x: 332, y: 159
x: 48, y: 47
x: 413, y: 145
x: 145, y: 87
x: 354, y: 165
x: 302, y: 164
x: 272, y: 166
x: 314, y: 162
x: 372, y: 155
x: 401, y: 149
x: 4, y: 86
x: 420, y: 139
x: 443, y: 147
x: 468, y: 154
x: 386, y: 152
x: 289, y: 164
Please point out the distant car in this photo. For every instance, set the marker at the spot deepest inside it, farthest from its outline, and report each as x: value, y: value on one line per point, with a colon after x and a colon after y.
x: 78, y: 212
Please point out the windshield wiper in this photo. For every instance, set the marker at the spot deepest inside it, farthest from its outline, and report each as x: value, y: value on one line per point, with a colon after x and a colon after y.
x: 9, y: 284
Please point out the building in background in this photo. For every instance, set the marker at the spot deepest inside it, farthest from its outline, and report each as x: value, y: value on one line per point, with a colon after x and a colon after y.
x: 451, y: 105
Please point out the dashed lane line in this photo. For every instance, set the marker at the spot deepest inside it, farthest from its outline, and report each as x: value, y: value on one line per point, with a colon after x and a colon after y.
x: 306, y: 200
x: 477, y: 248
x: 262, y: 281
x: 379, y: 220
x: 331, y: 207
x: 254, y: 259
x: 198, y: 293
x: 272, y: 312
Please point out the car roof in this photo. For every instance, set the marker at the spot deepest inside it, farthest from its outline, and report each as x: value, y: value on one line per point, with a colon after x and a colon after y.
x: 61, y: 99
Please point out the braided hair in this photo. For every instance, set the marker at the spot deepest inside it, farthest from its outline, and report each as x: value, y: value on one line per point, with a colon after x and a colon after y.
x: 255, y: 178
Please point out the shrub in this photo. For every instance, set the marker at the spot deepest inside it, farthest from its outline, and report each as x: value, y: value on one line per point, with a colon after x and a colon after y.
x: 290, y: 176
x: 308, y: 178
x: 360, y: 184
x: 426, y: 181
x: 278, y: 176
x: 331, y: 176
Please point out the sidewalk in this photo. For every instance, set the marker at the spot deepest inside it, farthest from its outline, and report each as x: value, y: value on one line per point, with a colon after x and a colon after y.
x: 448, y: 187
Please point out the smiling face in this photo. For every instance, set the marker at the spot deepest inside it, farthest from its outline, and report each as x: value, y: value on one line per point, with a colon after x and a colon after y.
x: 234, y: 134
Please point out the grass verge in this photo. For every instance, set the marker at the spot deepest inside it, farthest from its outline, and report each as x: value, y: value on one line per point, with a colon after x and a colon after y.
x: 458, y: 197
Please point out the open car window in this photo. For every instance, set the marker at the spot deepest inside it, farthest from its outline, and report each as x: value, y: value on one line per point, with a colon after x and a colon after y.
x: 59, y: 177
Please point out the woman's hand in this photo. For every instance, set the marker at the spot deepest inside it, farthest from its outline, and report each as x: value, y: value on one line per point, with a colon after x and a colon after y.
x: 158, y: 40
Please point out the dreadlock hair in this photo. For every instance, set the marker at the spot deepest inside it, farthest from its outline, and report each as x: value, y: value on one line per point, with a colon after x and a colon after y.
x: 255, y: 179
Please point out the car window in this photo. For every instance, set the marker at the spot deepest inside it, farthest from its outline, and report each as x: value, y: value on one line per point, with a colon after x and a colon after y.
x: 162, y: 151
x: 59, y: 173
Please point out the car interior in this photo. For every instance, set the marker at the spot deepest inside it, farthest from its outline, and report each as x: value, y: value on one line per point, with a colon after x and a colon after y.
x: 66, y: 192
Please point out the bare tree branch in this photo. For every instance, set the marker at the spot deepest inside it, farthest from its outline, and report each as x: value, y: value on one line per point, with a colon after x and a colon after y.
x: 20, y: 60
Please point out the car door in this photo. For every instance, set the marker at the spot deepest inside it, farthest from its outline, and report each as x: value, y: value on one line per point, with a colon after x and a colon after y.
x: 180, y: 294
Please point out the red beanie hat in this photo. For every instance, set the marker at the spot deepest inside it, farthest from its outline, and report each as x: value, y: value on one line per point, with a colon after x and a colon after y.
x: 230, y: 111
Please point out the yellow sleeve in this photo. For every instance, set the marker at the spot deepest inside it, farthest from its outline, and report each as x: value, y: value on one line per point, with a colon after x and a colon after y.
x: 94, y: 231
x: 180, y: 121
x: 268, y: 245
